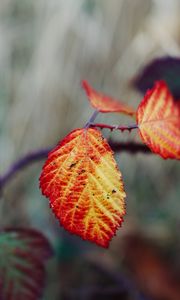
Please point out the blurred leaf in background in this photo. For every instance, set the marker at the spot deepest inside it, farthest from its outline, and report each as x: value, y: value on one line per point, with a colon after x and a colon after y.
x: 166, y: 68
x: 23, y: 253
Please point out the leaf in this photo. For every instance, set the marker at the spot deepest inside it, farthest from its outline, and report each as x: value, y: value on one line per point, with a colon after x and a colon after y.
x: 166, y: 68
x: 104, y: 103
x: 84, y: 186
x: 22, y: 256
x: 158, y: 118
x: 141, y: 251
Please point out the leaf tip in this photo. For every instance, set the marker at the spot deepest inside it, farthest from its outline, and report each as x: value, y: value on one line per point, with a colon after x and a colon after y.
x: 85, y: 85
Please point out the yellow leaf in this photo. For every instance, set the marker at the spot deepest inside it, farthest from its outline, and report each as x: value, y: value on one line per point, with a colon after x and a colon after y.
x: 84, y: 186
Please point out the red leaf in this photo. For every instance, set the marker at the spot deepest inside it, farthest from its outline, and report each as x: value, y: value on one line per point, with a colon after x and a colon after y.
x: 81, y: 179
x: 158, y: 118
x: 104, y: 103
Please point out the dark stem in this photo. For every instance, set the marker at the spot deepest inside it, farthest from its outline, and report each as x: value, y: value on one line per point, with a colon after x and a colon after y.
x: 123, y: 282
x: 43, y: 153
x: 129, y: 147
x: 22, y: 163
x: 115, y: 127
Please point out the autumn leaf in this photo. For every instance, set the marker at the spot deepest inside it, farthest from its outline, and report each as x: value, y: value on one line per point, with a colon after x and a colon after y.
x: 82, y: 181
x: 166, y: 68
x: 105, y: 103
x: 22, y: 263
x: 140, y: 251
x: 158, y: 119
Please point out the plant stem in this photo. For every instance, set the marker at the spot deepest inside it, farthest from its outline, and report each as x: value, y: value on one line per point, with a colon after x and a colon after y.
x: 22, y: 163
x: 114, y: 127
x: 41, y: 154
x: 92, y: 119
x: 129, y: 147
x: 123, y: 282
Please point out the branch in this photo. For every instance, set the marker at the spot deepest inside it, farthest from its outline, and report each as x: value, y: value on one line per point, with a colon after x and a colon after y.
x: 43, y: 153
x: 22, y: 163
x: 114, y: 127
x: 92, y: 119
x: 123, y: 283
x: 130, y: 147
x: 86, y: 292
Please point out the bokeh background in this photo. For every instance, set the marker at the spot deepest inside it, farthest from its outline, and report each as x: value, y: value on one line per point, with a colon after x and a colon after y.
x: 46, y: 49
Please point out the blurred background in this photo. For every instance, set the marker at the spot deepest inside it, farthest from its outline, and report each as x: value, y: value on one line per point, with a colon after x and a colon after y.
x: 46, y: 49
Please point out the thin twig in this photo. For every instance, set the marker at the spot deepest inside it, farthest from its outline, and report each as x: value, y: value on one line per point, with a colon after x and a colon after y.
x: 22, y: 163
x: 41, y: 154
x: 122, y: 281
x: 87, y: 292
x: 129, y: 147
x: 92, y: 119
x: 114, y: 127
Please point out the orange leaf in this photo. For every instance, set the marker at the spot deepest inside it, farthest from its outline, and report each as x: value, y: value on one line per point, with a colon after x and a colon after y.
x: 84, y: 186
x: 104, y: 103
x: 158, y: 118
